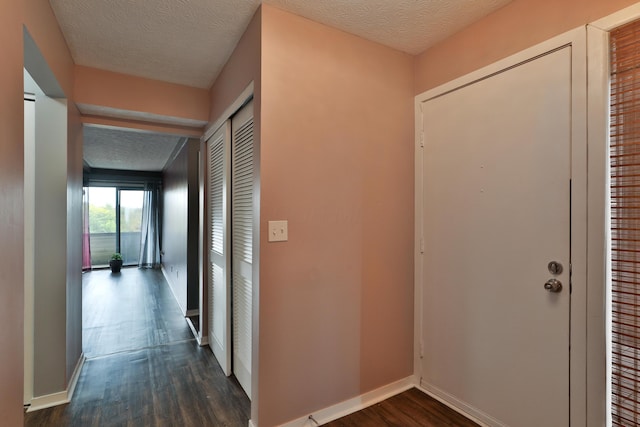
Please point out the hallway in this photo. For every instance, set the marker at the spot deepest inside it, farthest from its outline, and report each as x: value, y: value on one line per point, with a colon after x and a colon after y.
x: 143, y: 366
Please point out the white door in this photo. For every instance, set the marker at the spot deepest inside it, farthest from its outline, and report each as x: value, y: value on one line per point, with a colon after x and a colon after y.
x: 496, y: 211
x: 218, y: 148
x: 242, y: 242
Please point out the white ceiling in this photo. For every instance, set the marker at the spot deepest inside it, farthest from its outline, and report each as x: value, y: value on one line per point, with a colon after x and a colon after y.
x: 109, y: 148
x: 189, y: 41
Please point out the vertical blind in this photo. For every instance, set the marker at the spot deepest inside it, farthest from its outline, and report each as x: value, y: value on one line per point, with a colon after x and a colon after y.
x: 625, y: 224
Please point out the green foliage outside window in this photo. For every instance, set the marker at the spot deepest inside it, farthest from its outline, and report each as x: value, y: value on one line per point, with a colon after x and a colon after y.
x: 102, y: 219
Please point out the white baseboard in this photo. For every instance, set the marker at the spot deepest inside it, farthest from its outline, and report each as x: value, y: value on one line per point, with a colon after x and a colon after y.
x: 48, y: 400
x: 350, y: 406
x: 471, y: 412
x: 71, y: 388
x: 251, y: 424
x: 203, y: 340
x: 62, y: 397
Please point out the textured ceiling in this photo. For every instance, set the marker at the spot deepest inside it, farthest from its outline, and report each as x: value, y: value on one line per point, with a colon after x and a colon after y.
x: 180, y: 41
x: 108, y: 148
x: 189, y: 41
x: 411, y: 26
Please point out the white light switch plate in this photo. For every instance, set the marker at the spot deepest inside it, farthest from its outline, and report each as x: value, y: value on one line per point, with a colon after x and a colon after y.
x: 278, y: 231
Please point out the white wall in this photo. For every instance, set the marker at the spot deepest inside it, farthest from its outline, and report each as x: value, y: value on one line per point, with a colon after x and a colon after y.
x: 50, y: 248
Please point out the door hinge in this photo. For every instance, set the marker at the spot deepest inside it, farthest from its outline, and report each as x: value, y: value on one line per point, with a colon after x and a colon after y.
x: 421, y: 351
x: 421, y: 245
x: 422, y: 139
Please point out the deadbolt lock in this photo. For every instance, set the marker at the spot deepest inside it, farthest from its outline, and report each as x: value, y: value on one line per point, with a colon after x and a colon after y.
x: 555, y: 268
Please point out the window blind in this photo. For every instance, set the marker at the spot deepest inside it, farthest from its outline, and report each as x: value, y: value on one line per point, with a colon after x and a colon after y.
x: 625, y: 224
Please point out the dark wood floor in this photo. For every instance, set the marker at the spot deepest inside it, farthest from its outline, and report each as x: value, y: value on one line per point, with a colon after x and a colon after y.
x: 127, y: 311
x: 143, y: 366
x: 412, y: 408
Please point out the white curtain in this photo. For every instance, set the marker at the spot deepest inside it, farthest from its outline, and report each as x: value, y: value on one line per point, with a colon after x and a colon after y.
x: 149, y: 234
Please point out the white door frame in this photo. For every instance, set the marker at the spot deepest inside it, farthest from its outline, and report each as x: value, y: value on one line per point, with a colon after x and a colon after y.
x: 578, y: 319
x: 29, y: 230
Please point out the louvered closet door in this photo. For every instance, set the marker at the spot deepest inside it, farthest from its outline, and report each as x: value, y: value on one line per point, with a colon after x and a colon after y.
x: 219, y: 260
x: 242, y: 241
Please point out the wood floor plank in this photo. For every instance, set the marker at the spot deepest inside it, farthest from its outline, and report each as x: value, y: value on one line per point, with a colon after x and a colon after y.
x: 144, y: 368
x: 411, y: 408
x: 130, y: 310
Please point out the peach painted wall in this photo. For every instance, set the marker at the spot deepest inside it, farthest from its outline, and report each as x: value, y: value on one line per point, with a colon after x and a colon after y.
x: 336, y: 300
x: 125, y: 92
x: 515, y: 27
x: 43, y: 27
x: 11, y: 213
x: 242, y: 68
x: 60, y: 323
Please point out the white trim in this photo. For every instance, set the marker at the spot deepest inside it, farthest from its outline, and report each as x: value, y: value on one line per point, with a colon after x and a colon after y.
x: 352, y: 405
x: 418, y: 242
x: 62, y: 397
x: 47, y: 401
x: 244, y: 96
x: 251, y: 424
x: 75, y: 376
x: 460, y: 407
x: 598, y: 226
x: 579, y: 393
x: 618, y: 18
x: 29, y: 231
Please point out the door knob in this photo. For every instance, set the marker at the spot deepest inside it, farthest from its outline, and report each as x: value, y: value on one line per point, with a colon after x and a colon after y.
x: 553, y: 285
